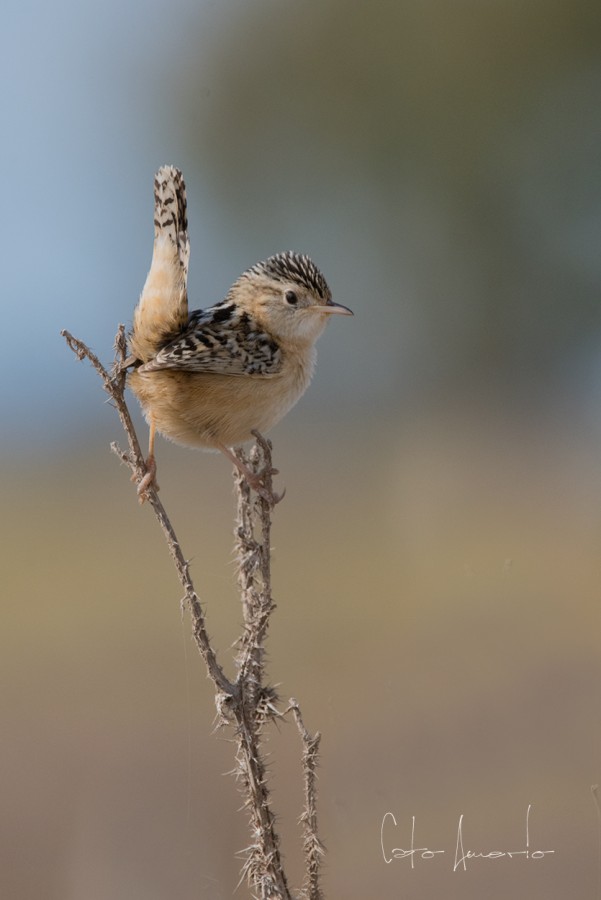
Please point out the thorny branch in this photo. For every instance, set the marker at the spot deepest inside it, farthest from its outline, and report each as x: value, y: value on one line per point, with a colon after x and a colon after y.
x: 114, y: 385
x: 313, y: 847
x: 246, y: 702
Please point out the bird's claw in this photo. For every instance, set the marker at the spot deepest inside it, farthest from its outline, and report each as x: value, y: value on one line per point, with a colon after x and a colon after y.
x: 147, y: 480
x: 261, y: 483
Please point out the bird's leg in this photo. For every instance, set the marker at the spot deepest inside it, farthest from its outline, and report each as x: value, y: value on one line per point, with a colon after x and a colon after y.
x: 151, y: 466
x: 254, y: 479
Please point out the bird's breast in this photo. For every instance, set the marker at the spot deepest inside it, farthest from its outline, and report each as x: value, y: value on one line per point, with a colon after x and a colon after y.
x: 206, y: 410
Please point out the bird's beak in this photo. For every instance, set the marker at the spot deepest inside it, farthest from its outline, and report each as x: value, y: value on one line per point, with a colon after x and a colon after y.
x: 330, y: 307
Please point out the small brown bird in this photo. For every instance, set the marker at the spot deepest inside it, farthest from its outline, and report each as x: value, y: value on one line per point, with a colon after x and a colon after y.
x: 211, y: 377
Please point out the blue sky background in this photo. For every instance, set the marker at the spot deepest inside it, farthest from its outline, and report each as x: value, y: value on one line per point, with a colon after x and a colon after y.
x: 87, y: 121
x: 443, y: 174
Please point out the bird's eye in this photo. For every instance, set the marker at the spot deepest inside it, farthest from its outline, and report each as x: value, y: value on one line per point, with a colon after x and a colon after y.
x: 291, y: 298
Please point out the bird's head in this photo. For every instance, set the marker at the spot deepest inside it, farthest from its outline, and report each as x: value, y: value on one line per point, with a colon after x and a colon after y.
x: 288, y: 296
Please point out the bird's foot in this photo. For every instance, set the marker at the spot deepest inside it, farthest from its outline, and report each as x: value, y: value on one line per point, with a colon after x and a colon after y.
x: 261, y: 483
x: 147, y: 480
x: 265, y: 475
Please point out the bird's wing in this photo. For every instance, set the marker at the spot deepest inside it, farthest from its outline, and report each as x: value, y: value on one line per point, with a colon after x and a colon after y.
x: 222, y: 340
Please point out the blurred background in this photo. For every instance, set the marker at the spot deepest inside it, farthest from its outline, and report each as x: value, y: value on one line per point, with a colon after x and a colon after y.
x: 437, y: 557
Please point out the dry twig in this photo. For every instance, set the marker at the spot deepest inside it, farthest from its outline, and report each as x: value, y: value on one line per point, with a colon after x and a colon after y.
x: 313, y: 847
x: 246, y: 702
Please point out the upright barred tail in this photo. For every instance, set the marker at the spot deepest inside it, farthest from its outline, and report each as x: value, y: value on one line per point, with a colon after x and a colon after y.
x: 170, y: 211
x: 163, y: 307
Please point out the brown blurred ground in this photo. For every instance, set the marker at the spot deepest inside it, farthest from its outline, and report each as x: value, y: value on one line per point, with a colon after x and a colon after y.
x: 437, y: 591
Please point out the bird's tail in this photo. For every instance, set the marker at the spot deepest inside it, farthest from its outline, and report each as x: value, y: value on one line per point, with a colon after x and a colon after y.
x: 170, y: 212
x: 163, y: 307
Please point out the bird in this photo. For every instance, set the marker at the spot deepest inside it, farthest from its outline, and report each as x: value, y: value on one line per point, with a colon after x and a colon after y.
x: 211, y: 377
